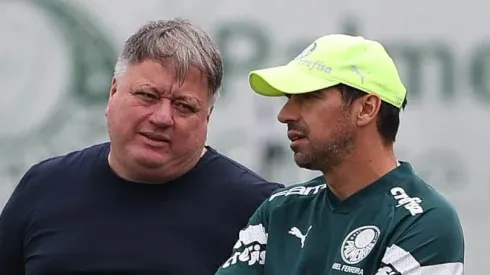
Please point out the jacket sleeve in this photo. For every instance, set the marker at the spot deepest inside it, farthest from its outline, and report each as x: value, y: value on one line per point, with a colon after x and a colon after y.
x: 13, y: 223
x: 432, y: 244
x: 248, y: 255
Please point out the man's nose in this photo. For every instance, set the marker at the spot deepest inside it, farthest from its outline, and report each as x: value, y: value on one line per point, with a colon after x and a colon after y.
x: 162, y: 114
x: 289, y: 112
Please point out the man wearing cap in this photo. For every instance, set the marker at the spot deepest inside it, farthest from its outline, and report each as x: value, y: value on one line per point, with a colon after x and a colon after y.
x: 368, y: 213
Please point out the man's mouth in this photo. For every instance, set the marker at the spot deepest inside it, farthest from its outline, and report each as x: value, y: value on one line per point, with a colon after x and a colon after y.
x: 155, y: 137
x: 295, y: 135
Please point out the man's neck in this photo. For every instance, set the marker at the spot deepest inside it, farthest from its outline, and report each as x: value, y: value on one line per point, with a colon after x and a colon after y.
x: 135, y: 173
x: 360, y: 170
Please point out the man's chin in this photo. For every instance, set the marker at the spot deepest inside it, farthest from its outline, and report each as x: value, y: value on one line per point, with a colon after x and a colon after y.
x: 150, y: 162
x: 303, y: 161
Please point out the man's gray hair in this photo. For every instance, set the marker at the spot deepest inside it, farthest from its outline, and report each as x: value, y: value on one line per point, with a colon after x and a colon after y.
x: 176, y: 42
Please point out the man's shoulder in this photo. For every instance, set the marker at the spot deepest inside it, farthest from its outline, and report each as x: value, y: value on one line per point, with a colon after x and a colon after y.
x: 424, y: 218
x: 62, y: 164
x: 298, y: 192
x: 414, y: 197
x: 417, y: 203
x: 237, y: 175
x: 234, y: 184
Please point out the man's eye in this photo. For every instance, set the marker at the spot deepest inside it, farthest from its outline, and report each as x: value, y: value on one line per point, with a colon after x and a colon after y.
x: 184, y: 107
x: 309, y: 95
x: 146, y: 96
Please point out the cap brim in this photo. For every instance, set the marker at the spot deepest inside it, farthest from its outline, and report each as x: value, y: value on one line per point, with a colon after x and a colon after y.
x: 279, y: 81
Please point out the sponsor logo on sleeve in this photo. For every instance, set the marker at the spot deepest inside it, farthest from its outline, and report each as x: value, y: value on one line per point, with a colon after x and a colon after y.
x: 250, y: 247
x: 411, y: 204
x: 299, y: 191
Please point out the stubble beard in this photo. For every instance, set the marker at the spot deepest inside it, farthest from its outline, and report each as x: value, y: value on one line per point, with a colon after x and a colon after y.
x: 324, y: 155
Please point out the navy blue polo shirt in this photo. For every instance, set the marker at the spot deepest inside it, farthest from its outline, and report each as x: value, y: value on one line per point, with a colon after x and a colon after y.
x: 72, y: 215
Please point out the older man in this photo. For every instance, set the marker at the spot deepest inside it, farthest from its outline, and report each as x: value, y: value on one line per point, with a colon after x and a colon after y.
x: 153, y: 200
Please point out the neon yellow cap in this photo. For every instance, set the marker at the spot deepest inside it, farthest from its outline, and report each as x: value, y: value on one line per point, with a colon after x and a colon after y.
x: 331, y: 60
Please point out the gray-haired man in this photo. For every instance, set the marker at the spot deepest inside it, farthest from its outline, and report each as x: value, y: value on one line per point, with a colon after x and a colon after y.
x: 153, y: 200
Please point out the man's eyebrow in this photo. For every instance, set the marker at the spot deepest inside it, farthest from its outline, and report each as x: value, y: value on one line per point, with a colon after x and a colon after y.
x: 146, y: 86
x: 188, y: 98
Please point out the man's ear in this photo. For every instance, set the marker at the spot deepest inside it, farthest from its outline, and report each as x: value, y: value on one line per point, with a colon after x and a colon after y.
x: 368, y: 109
x: 113, y: 89
x: 209, y: 113
x: 112, y: 92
